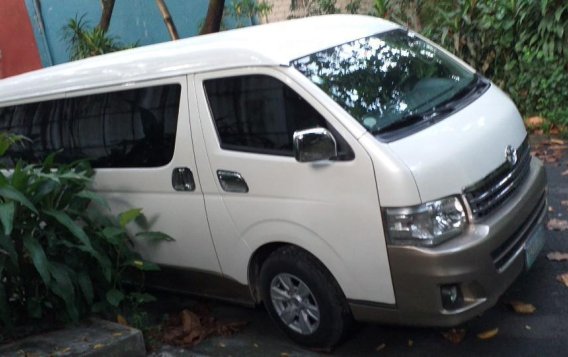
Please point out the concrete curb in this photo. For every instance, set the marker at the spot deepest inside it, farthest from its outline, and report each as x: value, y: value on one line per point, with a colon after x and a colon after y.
x: 93, y: 338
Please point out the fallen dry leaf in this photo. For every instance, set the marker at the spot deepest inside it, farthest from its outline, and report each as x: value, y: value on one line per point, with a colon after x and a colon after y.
x: 522, y: 308
x: 454, y: 335
x: 563, y: 278
x: 550, y: 209
x: 189, y: 321
x: 121, y: 320
x: 564, y: 202
x: 556, y: 224
x: 534, y: 122
x: 187, y: 328
x: 98, y: 346
x: 557, y: 256
x: 486, y: 335
x: 565, y: 173
x: 381, y: 347
x: 551, y: 151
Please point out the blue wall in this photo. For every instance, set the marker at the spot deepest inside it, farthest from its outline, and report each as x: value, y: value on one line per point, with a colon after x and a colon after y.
x: 133, y: 21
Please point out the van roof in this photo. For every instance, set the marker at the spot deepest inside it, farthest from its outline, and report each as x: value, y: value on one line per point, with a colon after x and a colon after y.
x: 264, y: 45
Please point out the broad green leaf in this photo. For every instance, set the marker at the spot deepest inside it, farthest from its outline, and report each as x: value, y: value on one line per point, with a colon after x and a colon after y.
x: 72, y: 226
x: 86, y: 285
x: 7, y: 244
x: 142, y: 298
x: 143, y: 265
x: 37, y: 254
x: 34, y: 308
x: 114, y: 235
x: 98, y: 199
x: 62, y: 286
x: 128, y: 216
x: 114, y: 297
x: 45, y: 188
x: 9, y: 192
x: 7, y: 216
x: 49, y: 161
x: 154, y: 236
x: 20, y: 176
x: 73, y: 176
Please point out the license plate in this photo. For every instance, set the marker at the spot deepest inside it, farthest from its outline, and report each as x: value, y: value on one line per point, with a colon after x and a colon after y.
x: 534, y: 245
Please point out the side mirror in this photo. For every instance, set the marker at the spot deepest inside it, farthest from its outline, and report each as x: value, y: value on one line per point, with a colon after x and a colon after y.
x: 314, y: 145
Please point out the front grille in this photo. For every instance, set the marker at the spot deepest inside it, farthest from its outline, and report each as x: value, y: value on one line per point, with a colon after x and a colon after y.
x: 506, y: 251
x: 492, y: 191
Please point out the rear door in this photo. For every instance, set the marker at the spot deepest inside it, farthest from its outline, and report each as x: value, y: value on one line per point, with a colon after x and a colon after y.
x: 142, y: 139
x: 257, y: 193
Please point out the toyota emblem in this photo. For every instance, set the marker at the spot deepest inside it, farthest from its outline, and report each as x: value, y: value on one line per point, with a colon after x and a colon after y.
x: 511, y: 155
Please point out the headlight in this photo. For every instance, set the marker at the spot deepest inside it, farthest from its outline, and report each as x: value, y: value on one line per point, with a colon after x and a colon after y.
x: 428, y: 224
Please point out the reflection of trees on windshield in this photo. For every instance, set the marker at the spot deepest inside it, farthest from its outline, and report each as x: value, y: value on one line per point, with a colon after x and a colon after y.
x: 382, y: 78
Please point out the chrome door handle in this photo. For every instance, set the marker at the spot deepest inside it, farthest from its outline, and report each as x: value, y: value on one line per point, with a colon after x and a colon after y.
x: 232, y: 181
x: 182, y: 179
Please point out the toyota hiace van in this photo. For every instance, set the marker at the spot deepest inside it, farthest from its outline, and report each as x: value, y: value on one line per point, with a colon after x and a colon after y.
x: 333, y: 168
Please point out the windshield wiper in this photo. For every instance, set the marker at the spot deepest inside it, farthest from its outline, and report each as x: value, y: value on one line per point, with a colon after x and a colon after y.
x: 404, y: 122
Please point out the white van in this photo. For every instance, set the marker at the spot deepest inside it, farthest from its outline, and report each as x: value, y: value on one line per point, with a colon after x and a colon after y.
x: 332, y: 167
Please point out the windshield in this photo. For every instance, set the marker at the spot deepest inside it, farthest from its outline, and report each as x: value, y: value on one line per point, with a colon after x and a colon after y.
x: 389, y: 81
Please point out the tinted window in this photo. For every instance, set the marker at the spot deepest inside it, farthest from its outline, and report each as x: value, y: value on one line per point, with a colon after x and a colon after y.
x: 133, y: 128
x: 260, y: 114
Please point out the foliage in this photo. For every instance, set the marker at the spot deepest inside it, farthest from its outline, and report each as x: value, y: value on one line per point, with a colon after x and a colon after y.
x: 249, y: 10
x: 88, y: 42
x: 303, y: 8
x: 353, y: 6
x: 522, y: 45
x: 61, y: 255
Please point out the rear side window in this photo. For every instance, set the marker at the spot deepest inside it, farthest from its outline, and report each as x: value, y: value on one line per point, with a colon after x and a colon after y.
x: 133, y: 128
x: 260, y: 114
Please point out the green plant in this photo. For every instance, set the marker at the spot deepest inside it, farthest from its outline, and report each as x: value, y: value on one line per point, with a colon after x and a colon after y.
x: 249, y: 10
x: 522, y: 45
x: 303, y: 8
x: 87, y: 42
x: 62, y: 256
x: 353, y: 6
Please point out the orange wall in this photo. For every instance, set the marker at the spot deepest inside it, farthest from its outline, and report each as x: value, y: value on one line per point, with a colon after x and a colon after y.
x: 18, y: 47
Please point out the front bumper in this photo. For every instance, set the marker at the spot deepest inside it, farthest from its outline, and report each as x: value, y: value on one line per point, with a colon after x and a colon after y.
x: 483, y: 263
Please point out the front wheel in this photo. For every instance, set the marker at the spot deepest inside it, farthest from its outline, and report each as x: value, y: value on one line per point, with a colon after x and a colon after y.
x: 303, y: 299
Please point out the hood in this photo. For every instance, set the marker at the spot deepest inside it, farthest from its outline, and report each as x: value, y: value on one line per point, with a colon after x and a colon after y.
x: 463, y: 148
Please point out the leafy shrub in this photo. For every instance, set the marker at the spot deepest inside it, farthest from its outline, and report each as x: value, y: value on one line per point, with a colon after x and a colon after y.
x: 61, y: 255
x: 88, y: 42
x: 522, y: 45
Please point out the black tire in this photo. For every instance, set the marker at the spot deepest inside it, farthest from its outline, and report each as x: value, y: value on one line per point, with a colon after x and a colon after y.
x: 300, y: 267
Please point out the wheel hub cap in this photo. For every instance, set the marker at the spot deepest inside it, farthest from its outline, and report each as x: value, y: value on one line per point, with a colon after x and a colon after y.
x: 295, y: 303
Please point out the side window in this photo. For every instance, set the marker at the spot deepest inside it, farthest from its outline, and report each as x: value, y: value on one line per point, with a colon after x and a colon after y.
x: 133, y: 128
x: 260, y: 114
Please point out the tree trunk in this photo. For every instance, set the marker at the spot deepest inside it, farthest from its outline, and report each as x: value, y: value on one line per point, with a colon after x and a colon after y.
x: 168, y: 19
x: 108, y: 6
x: 213, y: 18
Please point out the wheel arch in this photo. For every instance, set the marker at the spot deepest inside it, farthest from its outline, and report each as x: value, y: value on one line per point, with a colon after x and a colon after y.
x: 263, y: 252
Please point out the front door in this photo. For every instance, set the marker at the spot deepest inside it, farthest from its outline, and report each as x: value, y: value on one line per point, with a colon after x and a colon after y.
x: 256, y: 193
